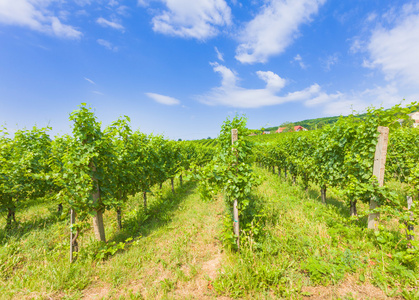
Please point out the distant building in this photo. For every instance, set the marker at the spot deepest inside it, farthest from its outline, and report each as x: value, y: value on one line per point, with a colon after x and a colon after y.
x: 415, y: 117
x: 296, y: 128
x: 266, y: 132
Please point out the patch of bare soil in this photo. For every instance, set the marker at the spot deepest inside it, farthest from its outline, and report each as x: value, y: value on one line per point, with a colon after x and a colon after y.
x: 348, y: 289
x: 208, y: 258
x: 96, y: 293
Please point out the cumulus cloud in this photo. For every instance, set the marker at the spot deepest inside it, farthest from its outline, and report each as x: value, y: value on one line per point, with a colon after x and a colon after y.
x: 106, y: 23
x: 394, y: 50
x: 231, y: 94
x: 191, y: 19
x: 35, y: 15
x: 274, y: 29
x: 162, y: 99
x: 108, y: 45
x: 341, y: 103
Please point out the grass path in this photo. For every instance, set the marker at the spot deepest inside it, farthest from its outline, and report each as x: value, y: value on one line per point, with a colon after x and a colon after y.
x: 177, y: 261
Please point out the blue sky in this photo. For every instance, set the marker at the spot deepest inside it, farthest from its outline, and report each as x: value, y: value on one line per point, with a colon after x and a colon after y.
x: 181, y: 67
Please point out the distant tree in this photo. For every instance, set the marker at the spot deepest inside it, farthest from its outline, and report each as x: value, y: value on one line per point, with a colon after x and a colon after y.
x: 208, y: 138
x: 321, y: 124
x: 289, y: 126
x: 179, y: 140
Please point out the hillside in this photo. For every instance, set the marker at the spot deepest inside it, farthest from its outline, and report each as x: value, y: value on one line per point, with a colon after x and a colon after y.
x: 305, y: 250
x: 310, y: 124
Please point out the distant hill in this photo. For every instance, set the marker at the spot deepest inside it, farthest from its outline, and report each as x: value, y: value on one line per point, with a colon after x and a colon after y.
x: 310, y: 124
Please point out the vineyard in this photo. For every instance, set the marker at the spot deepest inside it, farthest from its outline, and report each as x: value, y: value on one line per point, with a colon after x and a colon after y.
x: 114, y: 213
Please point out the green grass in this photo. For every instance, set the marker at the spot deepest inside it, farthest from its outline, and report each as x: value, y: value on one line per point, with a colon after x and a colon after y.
x: 308, y: 246
x: 170, y: 248
x: 296, y: 247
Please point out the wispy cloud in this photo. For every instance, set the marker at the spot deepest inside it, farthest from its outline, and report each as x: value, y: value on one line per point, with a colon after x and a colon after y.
x: 106, y: 23
x: 219, y: 54
x: 98, y: 93
x: 229, y: 93
x: 162, y: 99
x: 274, y: 29
x: 330, y: 61
x: 89, y: 80
x: 36, y: 16
x: 108, y: 45
x: 191, y: 19
x: 300, y: 62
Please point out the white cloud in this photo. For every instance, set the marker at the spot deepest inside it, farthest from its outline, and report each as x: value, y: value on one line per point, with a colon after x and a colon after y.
x: 230, y: 94
x: 83, y: 2
x: 166, y: 100
x: 330, y: 61
x: 35, y: 15
x: 106, y: 23
x: 143, y: 3
x: 123, y: 10
x: 63, y: 30
x: 274, y: 29
x: 191, y: 19
x: 395, y: 51
x: 219, y: 54
x: 98, y: 93
x: 345, y: 103
x: 89, y: 80
x: 273, y: 81
x: 299, y: 60
x: 107, y: 45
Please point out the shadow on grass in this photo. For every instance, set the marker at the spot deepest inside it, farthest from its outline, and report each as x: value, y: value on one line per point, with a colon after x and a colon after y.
x: 159, y: 213
x: 342, y: 209
x: 19, y: 229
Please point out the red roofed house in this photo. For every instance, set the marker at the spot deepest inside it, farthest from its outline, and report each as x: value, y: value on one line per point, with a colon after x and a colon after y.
x: 296, y: 128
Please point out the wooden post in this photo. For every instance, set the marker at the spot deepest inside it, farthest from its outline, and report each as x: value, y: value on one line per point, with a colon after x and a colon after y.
x: 236, y: 224
x: 98, y: 226
x: 378, y: 171
x: 410, y: 228
x: 72, y: 221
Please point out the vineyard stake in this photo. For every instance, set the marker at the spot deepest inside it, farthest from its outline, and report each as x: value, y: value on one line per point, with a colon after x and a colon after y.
x: 98, y: 225
x: 72, y: 221
x: 234, y: 137
x: 378, y: 171
x: 410, y: 228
